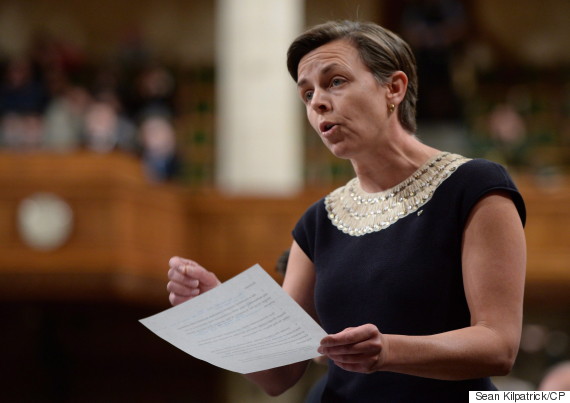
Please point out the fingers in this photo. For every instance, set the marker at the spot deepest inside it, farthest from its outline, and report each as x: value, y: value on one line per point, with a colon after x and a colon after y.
x: 178, y: 261
x: 358, y: 349
x: 206, y: 278
x: 351, y: 335
x: 363, y: 367
x: 187, y: 280
x: 180, y: 292
x: 187, y: 289
x: 177, y: 276
x: 176, y: 299
x: 341, y: 338
x: 364, y: 347
x: 188, y: 268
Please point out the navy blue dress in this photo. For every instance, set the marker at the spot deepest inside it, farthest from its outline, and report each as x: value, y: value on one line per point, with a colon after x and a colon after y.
x: 405, y: 279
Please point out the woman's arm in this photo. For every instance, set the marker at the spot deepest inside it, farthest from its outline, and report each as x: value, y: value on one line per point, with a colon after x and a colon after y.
x: 494, y: 262
x: 188, y: 279
x: 299, y: 283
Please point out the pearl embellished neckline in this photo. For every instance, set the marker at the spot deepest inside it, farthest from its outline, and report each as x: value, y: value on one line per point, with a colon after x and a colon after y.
x: 356, y: 212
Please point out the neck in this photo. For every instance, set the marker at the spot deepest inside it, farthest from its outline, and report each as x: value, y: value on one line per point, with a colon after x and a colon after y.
x: 391, y: 163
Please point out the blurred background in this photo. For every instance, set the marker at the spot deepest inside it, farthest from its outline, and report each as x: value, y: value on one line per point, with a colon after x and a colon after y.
x: 130, y: 133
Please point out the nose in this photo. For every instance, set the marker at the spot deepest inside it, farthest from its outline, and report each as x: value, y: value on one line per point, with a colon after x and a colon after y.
x: 320, y: 102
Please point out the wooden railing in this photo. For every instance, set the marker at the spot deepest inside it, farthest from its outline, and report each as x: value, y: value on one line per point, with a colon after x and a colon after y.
x: 125, y: 229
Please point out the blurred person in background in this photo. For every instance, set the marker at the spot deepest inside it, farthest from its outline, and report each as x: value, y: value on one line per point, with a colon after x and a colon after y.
x: 152, y: 93
x: 64, y: 119
x: 106, y: 129
x: 159, y: 155
x: 23, y: 99
x: 415, y: 268
x: 508, y: 134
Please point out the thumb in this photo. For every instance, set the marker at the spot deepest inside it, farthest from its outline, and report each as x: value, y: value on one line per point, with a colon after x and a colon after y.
x: 205, y: 277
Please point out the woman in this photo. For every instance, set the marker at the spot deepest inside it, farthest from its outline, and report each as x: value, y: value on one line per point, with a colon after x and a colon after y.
x: 415, y: 268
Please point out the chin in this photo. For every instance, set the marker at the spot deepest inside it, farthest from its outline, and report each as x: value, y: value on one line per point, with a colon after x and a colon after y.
x: 339, y: 151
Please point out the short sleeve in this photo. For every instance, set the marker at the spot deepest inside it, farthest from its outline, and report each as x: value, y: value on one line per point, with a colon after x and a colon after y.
x: 305, y: 229
x: 481, y: 177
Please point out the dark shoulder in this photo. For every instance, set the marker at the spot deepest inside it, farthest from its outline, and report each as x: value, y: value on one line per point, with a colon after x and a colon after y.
x: 484, y: 172
x: 306, y: 228
x: 478, y: 177
x: 312, y: 213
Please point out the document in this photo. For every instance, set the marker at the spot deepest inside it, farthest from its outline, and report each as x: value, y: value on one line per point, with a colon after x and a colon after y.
x: 247, y: 324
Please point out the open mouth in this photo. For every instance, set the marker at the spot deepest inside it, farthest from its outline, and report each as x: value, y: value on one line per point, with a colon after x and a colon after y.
x: 325, y: 127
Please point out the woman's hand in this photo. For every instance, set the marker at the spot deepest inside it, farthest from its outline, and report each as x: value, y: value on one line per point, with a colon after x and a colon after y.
x: 357, y: 349
x: 187, y: 280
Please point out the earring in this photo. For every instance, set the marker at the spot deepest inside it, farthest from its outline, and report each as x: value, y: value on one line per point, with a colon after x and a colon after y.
x: 391, y: 107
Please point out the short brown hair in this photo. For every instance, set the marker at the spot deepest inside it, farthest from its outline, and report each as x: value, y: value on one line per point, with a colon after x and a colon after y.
x: 381, y: 50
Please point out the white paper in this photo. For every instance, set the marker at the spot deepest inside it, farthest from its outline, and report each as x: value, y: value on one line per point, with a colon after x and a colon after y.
x: 247, y: 324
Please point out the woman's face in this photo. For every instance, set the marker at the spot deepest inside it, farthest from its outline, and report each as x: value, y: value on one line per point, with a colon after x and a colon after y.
x: 345, y: 103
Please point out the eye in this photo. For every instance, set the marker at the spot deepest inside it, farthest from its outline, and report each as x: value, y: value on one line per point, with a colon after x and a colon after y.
x: 335, y: 82
x: 308, y: 95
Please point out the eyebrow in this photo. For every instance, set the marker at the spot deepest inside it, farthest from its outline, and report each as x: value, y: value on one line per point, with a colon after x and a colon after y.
x: 323, y: 71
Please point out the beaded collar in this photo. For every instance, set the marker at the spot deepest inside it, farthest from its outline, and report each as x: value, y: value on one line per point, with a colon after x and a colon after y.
x: 356, y: 212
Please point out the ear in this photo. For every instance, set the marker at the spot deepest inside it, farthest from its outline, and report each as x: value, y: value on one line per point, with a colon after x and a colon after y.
x: 397, y: 86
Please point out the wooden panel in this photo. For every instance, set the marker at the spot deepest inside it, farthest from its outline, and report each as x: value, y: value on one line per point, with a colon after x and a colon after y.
x: 126, y: 229
x: 232, y: 234
x: 548, y: 238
